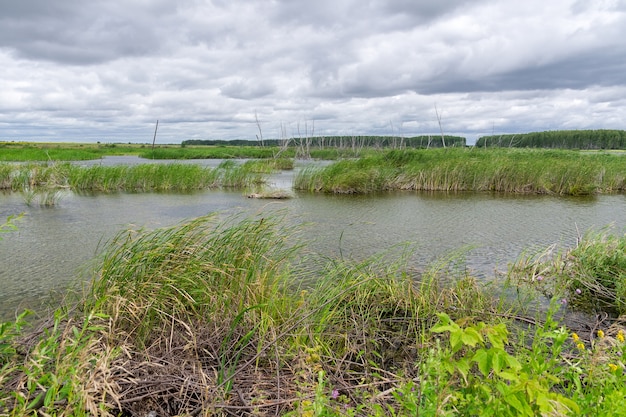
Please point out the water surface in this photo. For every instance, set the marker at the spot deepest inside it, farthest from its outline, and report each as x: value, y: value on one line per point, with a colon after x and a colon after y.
x: 53, y: 245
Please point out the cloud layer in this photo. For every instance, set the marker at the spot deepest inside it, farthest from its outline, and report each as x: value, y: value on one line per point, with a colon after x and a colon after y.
x: 107, y: 70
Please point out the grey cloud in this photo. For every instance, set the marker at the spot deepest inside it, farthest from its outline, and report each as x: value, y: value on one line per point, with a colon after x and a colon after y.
x: 595, y: 68
x: 247, y: 89
x: 422, y: 10
x: 389, y: 14
x: 79, y: 33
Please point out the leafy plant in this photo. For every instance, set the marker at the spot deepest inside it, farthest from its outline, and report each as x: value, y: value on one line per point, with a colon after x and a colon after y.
x: 486, y: 380
x: 9, y: 224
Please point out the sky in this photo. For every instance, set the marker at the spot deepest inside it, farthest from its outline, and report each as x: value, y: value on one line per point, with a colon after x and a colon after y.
x: 107, y: 70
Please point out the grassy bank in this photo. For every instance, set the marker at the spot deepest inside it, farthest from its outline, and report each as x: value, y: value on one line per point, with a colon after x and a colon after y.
x: 144, y: 177
x: 497, y: 170
x: 209, y: 318
x: 40, y: 152
x: 24, y: 151
x: 211, y: 152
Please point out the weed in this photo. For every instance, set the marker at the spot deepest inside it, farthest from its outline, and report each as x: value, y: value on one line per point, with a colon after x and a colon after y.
x: 591, y: 277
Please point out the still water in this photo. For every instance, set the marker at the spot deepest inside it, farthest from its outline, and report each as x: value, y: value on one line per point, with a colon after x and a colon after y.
x: 53, y: 245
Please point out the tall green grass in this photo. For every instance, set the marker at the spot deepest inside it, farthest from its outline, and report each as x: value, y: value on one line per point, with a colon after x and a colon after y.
x: 210, y: 317
x: 31, y: 175
x: 591, y: 277
x: 136, y: 178
x: 496, y: 170
x: 204, y: 269
x: 267, y: 166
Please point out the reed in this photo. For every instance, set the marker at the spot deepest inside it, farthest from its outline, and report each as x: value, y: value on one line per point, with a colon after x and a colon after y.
x: 373, y: 317
x: 37, y: 178
x: 501, y: 170
x: 590, y: 277
x: 42, y: 197
x: 30, y: 176
x: 267, y: 166
x: 144, y: 177
x: 219, y: 302
x: 201, y: 270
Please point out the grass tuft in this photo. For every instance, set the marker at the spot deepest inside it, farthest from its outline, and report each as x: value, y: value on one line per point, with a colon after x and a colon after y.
x: 590, y: 277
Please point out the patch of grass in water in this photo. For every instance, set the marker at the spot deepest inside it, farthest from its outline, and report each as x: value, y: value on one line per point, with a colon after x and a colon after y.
x: 455, y: 169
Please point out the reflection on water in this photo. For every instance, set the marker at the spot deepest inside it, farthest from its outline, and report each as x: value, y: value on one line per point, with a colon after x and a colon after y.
x: 52, y: 244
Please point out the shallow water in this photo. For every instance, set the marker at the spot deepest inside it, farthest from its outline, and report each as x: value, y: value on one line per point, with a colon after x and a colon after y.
x: 53, y: 245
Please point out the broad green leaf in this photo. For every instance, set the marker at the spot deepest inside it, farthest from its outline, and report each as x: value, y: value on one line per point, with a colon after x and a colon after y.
x: 471, y: 337
x: 483, y: 360
x: 509, y: 376
x: 497, y: 336
x: 455, y: 340
x: 513, y: 401
x: 463, y: 366
x: 499, y: 360
x: 513, y: 362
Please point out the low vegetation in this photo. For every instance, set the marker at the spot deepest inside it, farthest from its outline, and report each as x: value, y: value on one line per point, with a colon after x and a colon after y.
x: 25, y: 151
x: 211, y: 317
x: 9, y: 224
x: 497, y: 170
x: 213, y: 152
x: 352, y: 142
x: 590, y: 277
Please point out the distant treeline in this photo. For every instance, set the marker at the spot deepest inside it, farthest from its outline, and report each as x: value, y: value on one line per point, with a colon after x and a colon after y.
x: 343, y: 142
x: 562, y: 139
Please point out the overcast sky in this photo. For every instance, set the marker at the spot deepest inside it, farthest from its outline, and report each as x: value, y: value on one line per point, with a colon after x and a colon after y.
x: 76, y: 70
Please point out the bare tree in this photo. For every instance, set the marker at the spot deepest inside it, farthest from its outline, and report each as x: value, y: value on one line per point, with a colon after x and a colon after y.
x: 259, y: 137
x: 154, y: 138
x: 284, y: 140
x: 443, y: 139
x: 309, y: 137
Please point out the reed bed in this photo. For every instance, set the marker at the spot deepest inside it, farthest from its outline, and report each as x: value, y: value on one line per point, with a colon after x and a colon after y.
x: 28, y: 176
x: 33, y: 177
x: 495, y: 170
x: 211, y: 317
x: 144, y: 177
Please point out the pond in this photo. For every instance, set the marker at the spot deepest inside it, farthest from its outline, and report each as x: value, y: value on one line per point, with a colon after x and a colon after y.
x: 53, y: 245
